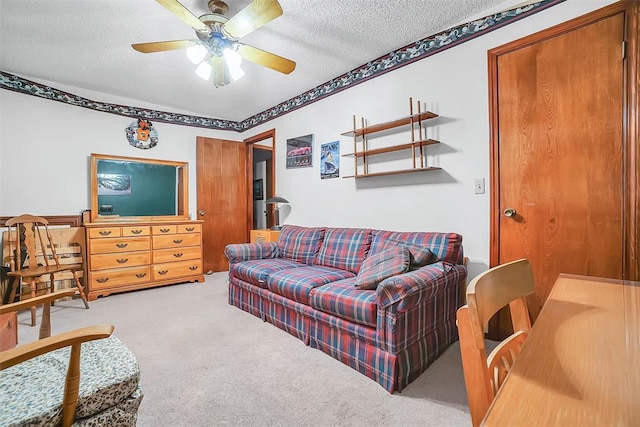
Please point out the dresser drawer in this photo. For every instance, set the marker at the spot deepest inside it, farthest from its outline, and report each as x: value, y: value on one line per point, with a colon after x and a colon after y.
x: 96, y: 233
x: 177, y: 254
x: 118, y: 260
x: 189, y: 228
x: 177, y: 269
x: 136, y: 231
x: 176, y: 240
x: 114, y: 278
x: 164, y: 229
x: 121, y: 244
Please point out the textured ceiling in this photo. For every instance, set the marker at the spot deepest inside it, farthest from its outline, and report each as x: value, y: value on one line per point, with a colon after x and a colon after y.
x: 87, y: 44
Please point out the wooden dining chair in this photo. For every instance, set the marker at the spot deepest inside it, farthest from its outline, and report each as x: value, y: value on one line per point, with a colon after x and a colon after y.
x: 32, y: 254
x: 506, y: 284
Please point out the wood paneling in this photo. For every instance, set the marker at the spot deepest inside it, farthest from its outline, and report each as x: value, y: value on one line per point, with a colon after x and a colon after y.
x: 70, y: 220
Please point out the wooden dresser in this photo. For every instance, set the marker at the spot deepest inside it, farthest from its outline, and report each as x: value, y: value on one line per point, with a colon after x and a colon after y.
x: 124, y: 256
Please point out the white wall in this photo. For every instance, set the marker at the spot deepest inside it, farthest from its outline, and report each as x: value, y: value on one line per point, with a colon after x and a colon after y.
x: 45, y: 145
x: 452, y: 84
x: 45, y: 148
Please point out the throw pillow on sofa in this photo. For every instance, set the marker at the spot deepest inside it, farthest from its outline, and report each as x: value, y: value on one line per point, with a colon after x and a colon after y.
x: 419, y: 255
x: 382, y: 265
x: 300, y: 243
x: 344, y: 248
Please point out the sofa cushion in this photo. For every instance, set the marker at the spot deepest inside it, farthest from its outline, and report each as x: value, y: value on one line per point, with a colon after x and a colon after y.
x: 419, y: 255
x: 256, y: 271
x: 32, y: 390
x: 378, y: 267
x: 300, y: 243
x: 446, y: 246
x: 296, y: 283
x: 344, y: 248
x: 342, y: 299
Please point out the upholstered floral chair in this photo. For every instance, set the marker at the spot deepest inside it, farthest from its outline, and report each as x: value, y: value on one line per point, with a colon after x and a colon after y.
x: 85, y: 377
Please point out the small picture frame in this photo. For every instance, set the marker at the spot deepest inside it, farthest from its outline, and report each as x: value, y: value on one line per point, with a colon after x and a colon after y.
x: 258, y: 193
x: 330, y: 160
x: 300, y: 152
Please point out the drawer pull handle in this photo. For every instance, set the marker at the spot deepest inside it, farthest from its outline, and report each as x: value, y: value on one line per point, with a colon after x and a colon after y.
x: 164, y: 230
x: 177, y: 241
x: 136, y: 231
x: 141, y: 275
x: 163, y: 272
x: 193, y: 268
x: 122, y: 260
x: 102, y: 280
x: 190, y: 228
x: 104, y: 233
x: 122, y: 245
x: 178, y: 255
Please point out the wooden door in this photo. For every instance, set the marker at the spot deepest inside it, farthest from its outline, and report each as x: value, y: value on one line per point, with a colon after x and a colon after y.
x: 558, y: 161
x: 222, y: 169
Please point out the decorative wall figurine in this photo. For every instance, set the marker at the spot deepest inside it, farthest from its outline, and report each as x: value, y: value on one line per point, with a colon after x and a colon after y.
x: 141, y: 134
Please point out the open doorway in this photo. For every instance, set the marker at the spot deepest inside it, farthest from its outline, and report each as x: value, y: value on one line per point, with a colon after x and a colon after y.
x: 262, y: 155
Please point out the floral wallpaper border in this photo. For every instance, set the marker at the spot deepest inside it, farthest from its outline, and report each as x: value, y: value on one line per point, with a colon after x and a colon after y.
x: 393, y: 60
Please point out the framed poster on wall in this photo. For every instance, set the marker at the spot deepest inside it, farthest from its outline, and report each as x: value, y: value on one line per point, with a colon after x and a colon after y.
x: 330, y: 160
x: 258, y: 193
x: 300, y: 152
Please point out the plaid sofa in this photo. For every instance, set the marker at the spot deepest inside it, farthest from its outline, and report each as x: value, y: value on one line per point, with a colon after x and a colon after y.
x: 391, y: 331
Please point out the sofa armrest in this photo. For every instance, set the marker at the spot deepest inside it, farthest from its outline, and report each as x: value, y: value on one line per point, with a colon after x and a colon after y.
x: 247, y: 251
x: 409, y: 289
x: 419, y: 305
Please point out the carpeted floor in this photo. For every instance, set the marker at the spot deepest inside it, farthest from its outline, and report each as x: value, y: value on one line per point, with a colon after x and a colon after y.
x: 206, y: 363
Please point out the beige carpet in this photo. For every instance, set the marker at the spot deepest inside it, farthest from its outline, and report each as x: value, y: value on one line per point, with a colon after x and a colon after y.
x: 206, y: 363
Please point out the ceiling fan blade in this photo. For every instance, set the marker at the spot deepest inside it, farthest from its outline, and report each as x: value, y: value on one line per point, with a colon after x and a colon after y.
x: 175, y: 7
x: 252, y: 17
x: 266, y: 59
x: 163, y: 46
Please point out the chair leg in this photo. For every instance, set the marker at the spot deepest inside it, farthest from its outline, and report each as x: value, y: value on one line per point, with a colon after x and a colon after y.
x: 45, y: 325
x: 52, y: 286
x: 80, y: 288
x: 32, y: 287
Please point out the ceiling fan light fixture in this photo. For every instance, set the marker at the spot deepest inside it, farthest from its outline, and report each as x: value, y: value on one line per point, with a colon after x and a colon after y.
x: 233, y: 61
x: 217, y: 51
x: 196, y: 53
x: 204, y: 70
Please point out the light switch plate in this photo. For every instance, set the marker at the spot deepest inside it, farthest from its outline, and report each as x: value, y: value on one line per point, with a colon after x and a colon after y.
x: 479, y: 186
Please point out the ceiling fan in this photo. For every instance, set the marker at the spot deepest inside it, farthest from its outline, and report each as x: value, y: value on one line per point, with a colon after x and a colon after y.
x: 217, y: 47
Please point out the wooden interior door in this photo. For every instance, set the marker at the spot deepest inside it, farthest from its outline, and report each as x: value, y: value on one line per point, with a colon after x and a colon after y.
x: 224, y: 193
x: 558, y: 161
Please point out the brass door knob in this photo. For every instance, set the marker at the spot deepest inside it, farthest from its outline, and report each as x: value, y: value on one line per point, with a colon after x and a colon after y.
x: 201, y: 212
x: 509, y: 212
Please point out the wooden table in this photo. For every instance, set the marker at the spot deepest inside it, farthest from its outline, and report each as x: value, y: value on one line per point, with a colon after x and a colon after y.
x: 580, y: 365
